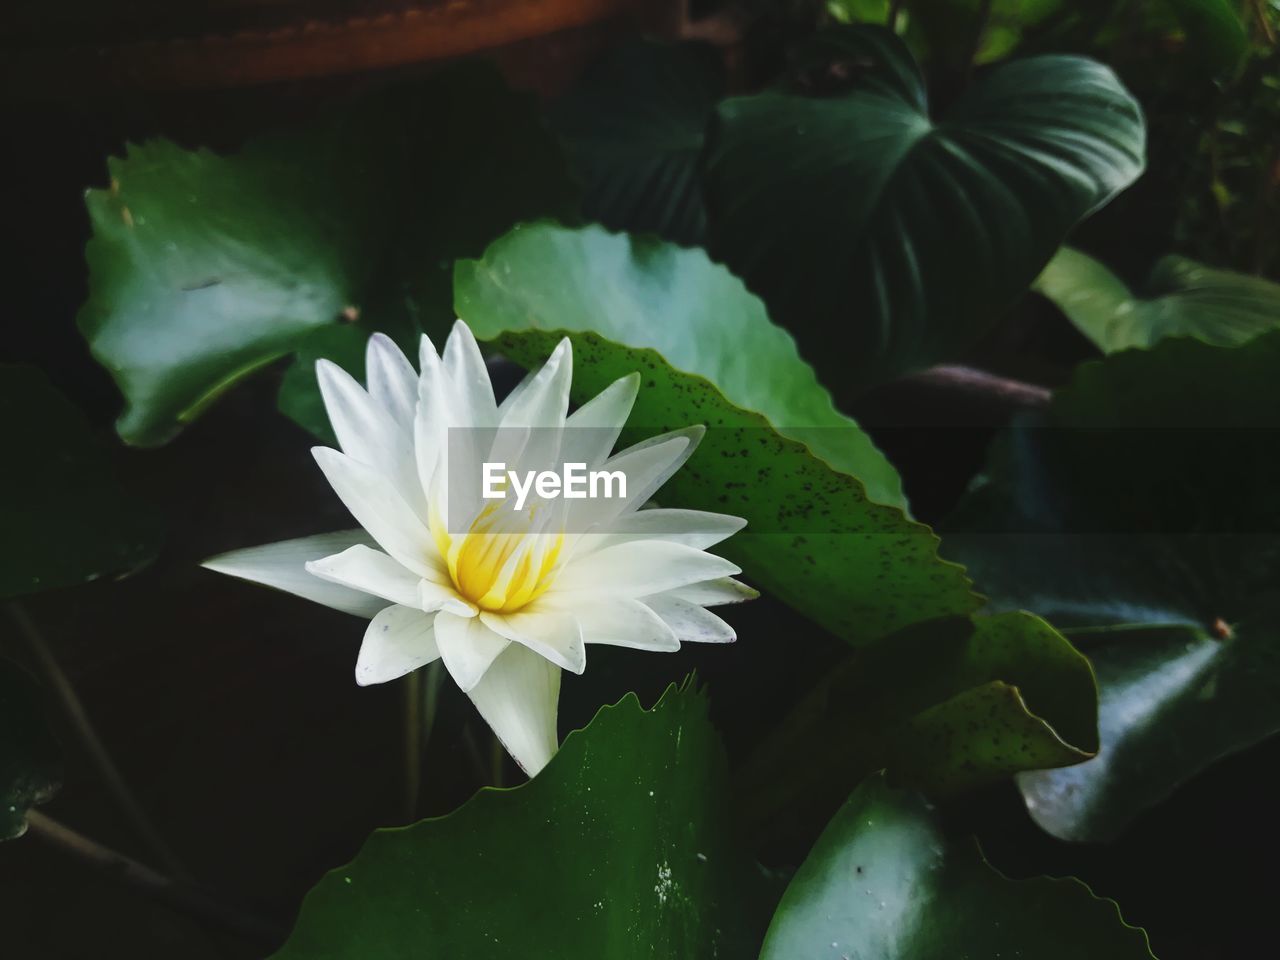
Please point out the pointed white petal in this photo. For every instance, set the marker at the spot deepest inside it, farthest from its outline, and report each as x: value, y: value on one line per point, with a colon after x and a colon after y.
x: 549, y: 632
x: 690, y: 622
x: 517, y: 698
x: 431, y: 422
x: 639, y: 569
x: 369, y: 571
x: 544, y: 400
x: 378, y: 507
x: 623, y: 622
x: 651, y: 469
x: 399, y: 640
x: 592, y: 429
x: 443, y: 596
x: 368, y: 433
x: 283, y: 566
x: 469, y: 378
x: 393, y: 383
x: 468, y: 647
x: 693, y: 528
x: 715, y: 593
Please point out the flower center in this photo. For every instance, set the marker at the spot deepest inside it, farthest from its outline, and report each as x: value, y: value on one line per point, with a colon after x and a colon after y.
x: 500, y: 570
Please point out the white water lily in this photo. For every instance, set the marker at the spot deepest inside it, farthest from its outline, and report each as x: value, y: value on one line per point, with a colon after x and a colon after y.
x: 507, y: 600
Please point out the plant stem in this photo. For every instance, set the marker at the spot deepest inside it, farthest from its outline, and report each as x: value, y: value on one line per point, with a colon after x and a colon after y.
x: 497, y: 761
x: 179, y: 894
x: 980, y: 382
x: 413, y: 743
x: 92, y: 743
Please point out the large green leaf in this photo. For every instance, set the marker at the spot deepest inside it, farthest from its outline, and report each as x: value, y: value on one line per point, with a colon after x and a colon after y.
x: 65, y: 517
x: 827, y: 532
x: 1141, y: 510
x: 864, y: 222
x: 946, y: 704
x: 30, y: 766
x: 633, y: 128
x: 620, y: 848
x: 1181, y: 298
x: 884, y: 883
x: 204, y: 267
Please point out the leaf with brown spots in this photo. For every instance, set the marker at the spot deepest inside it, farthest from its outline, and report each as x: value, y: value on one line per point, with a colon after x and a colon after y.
x: 827, y: 530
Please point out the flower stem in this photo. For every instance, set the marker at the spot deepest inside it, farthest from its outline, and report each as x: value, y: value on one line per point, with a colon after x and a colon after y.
x: 179, y: 894
x: 78, y: 718
x: 413, y: 743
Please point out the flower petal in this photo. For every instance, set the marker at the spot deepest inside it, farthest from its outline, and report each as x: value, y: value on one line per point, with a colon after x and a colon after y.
x: 368, y: 433
x: 693, y: 528
x: 378, y: 507
x: 399, y: 640
x: 283, y: 566
x: 442, y: 596
x: 622, y: 622
x: 517, y: 697
x: 393, y: 383
x: 639, y: 569
x: 690, y: 622
x: 369, y: 571
x: 469, y: 378
x: 468, y: 646
x: 543, y: 400
x: 592, y: 429
x: 715, y: 593
x: 549, y: 632
x: 656, y: 470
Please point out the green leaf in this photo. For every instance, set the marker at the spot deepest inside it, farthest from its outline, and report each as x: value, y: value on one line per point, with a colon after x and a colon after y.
x: 30, y: 763
x: 864, y: 222
x: 619, y: 848
x: 633, y: 129
x: 203, y: 268
x: 946, y: 704
x: 66, y: 518
x: 827, y: 532
x: 884, y: 883
x: 1141, y: 510
x: 1181, y: 298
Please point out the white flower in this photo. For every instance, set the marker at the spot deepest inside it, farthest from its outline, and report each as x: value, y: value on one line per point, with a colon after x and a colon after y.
x: 508, y: 599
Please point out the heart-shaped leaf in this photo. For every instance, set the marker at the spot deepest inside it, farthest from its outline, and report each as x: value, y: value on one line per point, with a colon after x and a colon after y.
x: 863, y: 221
x: 1181, y: 298
x: 946, y: 704
x: 204, y: 267
x: 827, y: 533
x: 884, y: 883
x: 1141, y: 509
x: 633, y: 128
x: 30, y: 765
x: 621, y: 847
x: 66, y: 517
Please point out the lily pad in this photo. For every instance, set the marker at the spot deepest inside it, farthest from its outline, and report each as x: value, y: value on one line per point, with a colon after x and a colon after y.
x: 620, y: 847
x: 67, y: 518
x: 884, y: 883
x: 30, y: 763
x: 1139, y: 513
x: 858, y: 212
x: 946, y: 705
x: 827, y: 530
x: 203, y: 267
x: 1181, y: 298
